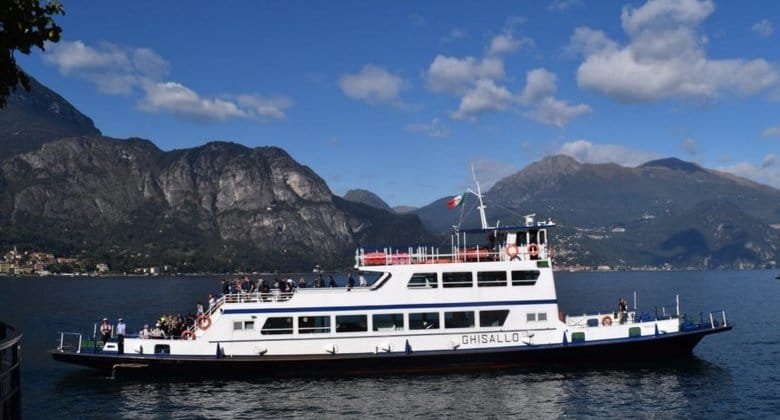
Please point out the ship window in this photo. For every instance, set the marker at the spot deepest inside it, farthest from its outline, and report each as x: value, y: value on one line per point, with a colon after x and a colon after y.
x: 351, y: 323
x: 162, y: 349
x: 462, y: 279
x: 243, y: 325
x: 423, y: 280
x: 491, y: 278
x: 541, y: 316
x: 524, y: 277
x: 388, y: 322
x: 277, y: 325
x: 424, y: 321
x: 460, y: 319
x: 530, y: 317
x: 492, y: 318
x: 313, y: 324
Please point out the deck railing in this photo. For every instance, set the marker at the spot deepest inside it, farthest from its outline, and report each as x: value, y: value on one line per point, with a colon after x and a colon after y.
x: 432, y: 255
x: 10, y: 372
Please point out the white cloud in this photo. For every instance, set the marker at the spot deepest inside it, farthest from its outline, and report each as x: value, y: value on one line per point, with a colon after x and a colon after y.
x: 764, y: 28
x: 769, y: 160
x: 456, y: 75
x: 773, y: 131
x: 539, y: 84
x: 506, y: 43
x: 766, y: 173
x: 538, y: 92
x: 374, y: 85
x: 587, y: 152
x: 489, y: 171
x: 184, y: 102
x: 665, y: 57
x: 485, y: 96
x: 417, y: 20
x: 557, y: 112
x: 434, y: 129
x: 117, y: 70
x: 265, y: 108
x: 690, y: 146
x: 71, y: 56
x: 454, y: 35
x: 563, y: 5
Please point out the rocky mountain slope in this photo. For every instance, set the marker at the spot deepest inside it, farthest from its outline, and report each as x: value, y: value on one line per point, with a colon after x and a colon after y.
x: 367, y: 198
x: 615, y: 215
x: 221, y: 206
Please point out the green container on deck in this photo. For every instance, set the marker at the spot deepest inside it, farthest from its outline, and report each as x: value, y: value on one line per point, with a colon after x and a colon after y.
x: 577, y: 337
x: 634, y: 332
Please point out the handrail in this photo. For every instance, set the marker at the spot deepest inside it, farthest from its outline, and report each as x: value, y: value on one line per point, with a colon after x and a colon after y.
x: 10, y: 372
x: 431, y: 255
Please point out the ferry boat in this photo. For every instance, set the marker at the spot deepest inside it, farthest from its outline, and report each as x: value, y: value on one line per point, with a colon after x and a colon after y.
x: 473, y: 306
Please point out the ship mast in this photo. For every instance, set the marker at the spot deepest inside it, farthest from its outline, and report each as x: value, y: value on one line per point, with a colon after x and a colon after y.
x: 481, y: 206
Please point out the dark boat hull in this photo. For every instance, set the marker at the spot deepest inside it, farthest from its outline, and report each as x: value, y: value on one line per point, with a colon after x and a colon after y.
x: 640, y: 349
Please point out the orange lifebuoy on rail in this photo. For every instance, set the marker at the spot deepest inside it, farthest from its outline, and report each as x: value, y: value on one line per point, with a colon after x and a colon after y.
x: 188, y: 335
x: 533, y: 250
x: 203, y: 322
x: 511, y: 250
x: 606, y: 321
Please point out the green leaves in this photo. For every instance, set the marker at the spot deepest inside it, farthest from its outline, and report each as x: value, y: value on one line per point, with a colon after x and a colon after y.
x: 24, y: 24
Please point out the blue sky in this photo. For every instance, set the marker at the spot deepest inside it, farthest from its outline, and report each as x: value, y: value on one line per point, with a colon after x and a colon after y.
x: 401, y: 97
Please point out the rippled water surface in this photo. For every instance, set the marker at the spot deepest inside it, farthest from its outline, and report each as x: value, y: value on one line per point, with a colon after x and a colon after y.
x: 735, y: 374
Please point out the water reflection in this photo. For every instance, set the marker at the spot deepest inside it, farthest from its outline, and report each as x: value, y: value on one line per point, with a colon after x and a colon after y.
x: 660, y: 390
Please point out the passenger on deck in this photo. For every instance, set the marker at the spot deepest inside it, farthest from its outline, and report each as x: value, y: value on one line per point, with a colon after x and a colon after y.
x: 105, y: 330
x: 350, y: 282
x: 145, y: 333
x: 319, y: 282
x: 199, y: 308
x: 302, y: 283
x: 157, y: 332
x: 121, y: 329
x: 362, y: 279
x: 212, y: 302
x: 622, y: 310
x: 225, y: 287
x: 331, y: 281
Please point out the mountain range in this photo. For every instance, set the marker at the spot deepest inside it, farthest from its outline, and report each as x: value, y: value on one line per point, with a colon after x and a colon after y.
x: 66, y: 188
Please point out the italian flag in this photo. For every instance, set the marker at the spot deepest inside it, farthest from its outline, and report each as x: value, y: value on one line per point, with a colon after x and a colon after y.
x: 455, y: 201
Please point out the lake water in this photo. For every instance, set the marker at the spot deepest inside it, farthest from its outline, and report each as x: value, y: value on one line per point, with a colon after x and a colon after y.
x: 734, y: 374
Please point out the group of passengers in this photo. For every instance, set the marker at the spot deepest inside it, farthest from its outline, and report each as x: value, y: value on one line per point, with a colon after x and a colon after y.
x: 168, y: 326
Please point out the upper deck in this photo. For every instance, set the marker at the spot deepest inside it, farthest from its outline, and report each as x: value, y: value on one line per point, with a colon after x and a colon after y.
x: 506, y: 243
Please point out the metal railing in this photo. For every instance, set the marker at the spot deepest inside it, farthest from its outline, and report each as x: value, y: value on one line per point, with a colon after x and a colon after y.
x: 432, y: 255
x: 10, y: 372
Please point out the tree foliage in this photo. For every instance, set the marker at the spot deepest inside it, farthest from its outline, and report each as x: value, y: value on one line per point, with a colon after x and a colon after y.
x: 23, y: 24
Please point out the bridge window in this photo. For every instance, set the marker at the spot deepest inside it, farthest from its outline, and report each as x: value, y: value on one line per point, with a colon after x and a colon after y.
x: 278, y: 325
x: 524, y: 277
x: 313, y: 324
x: 460, y: 319
x: 388, y: 322
x: 424, y: 321
x: 492, y: 318
x: 351, y: 323
x: 491, y: 278
x: 463, y: 279
x: 423, y: 280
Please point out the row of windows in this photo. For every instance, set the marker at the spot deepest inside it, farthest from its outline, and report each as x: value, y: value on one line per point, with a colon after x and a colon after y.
x: 465, y: 279
x: 379, y: 322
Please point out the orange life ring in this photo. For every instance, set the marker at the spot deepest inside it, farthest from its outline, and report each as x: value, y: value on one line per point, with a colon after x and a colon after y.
x: 606, y: 321
x: 511, y: 250
x: 533, y: 250
x: 188, y: 335
x: 203, y: 322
